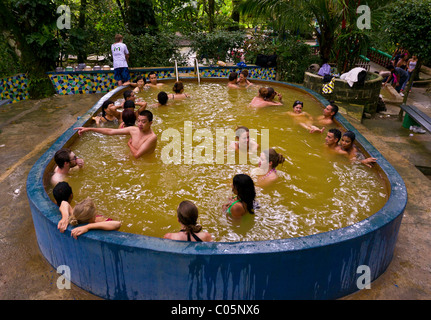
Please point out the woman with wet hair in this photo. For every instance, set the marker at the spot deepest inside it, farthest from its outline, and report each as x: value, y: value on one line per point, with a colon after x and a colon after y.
x: 178, y: 88
x: 268, y: 161
x: 244, y: 197
x: 187, y: 215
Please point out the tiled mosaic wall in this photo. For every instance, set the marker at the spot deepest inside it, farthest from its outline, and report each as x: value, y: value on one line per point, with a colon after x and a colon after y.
x: 103, y: 81
x: 14, y: 88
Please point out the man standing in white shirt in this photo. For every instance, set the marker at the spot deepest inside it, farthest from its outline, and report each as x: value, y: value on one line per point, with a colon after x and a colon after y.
x: 120, y: 56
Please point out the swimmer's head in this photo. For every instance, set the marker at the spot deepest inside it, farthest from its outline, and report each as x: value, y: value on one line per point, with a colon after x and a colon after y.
x: 336, y: 133
x: 148, y: 114
x: 62, y: 156
x: 105, y: 106
x: 62, y: 192
x: 140, y: 80
x: 233, y: 76
x: 129, y: 104
x: 187, y: 214
x: 242, y: 135
x: 347, y: 139
x: 129, y: 94
x: 331, y: 110
x: 243, y: 185
x: 162, y: 97
x: 153, y: 77
x: 129, y: 117
x: 271, y: 93
x: 297, y: 106
x: 263, y: 92
x: 273, y: 158
x: 178, y: 87
x: 84, y: 212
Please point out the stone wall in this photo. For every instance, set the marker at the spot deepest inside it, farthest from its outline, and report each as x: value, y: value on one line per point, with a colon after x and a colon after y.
x: 356, y: 100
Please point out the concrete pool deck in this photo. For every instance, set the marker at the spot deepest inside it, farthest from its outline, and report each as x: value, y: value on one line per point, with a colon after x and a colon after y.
x: 28, y: 128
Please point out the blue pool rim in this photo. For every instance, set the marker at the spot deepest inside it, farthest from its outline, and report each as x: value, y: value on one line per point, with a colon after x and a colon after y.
x: 121, y: 265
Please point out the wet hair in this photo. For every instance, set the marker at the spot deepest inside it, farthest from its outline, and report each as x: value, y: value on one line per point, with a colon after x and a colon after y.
x: 127, y: 94
x: 334, y: 108
x: 336, y: 133
x: 129, y: 117
x: 298, y: 102
x: 129, y: 104
x: 62, y: 156
x: 62, y: 192
x: 240, y: 130
x: 187, y: 214
x: 84, y: 212
x: 140, y: 78
x: 270, y: 93
x: 118, y: 37
x: 263, y: 92
x: 151, y: 73
x: 148, y: 114
x: 105, y: 106
x: 351, y: 135
x: 244, y: 186
x: 274, y: 157
x: 178, y: 86
x: 244, y: 73
x: 233, y: 76
x: 162, y: 97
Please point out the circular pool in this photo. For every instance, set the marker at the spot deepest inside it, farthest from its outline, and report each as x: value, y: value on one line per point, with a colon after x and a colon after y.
x: 122, y: 265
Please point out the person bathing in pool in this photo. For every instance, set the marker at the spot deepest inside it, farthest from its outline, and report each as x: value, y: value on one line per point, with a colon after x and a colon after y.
x: 303, y: 118
x: 268, y: 161
x: 143, y: 140
x: 352, y: 152
x: 187, y: 215
x: 243, y: 200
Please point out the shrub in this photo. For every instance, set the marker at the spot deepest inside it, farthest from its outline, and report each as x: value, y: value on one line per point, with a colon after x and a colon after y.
x: 215, y: 46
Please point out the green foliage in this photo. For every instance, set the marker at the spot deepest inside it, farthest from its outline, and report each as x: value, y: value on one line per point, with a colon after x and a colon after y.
x: 152, y: 50
x: 214, y: 46
x: 409, y: 25
x: 258, y: 43
x: 293, y: 59
x: 9, y: 62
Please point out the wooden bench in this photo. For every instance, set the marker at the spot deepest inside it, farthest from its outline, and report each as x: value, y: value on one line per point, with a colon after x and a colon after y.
x: 418, y: 116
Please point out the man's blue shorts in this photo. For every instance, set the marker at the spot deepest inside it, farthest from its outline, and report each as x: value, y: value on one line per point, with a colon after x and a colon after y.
x: 122, y: 74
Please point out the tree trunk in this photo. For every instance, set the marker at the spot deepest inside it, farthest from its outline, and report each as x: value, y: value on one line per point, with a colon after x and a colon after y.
x: 82, y: 55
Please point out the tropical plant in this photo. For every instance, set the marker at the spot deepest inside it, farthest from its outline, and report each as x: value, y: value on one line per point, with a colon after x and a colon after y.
x: 216, y: 45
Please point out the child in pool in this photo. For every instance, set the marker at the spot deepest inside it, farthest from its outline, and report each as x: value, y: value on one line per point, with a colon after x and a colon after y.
x: 304, y: 118
x: 187, y: 214
x: 85, y: 212
x: 243, y: 201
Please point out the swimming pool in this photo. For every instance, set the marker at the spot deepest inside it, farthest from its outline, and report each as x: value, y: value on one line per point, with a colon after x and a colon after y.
x: 129, y: 266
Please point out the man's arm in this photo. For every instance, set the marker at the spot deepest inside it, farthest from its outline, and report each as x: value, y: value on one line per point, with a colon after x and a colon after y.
x: 107, y: 131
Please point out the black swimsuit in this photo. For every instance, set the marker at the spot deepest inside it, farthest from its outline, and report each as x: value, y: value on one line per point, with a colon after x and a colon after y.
x: 193, y: 235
